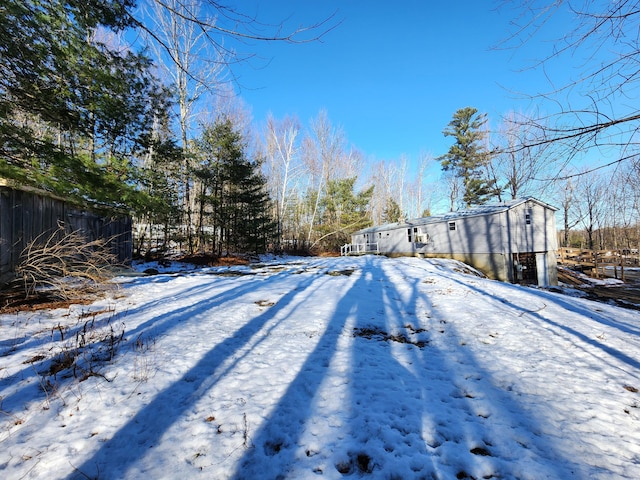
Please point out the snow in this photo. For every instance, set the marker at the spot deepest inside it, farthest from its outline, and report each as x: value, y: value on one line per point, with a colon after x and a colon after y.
x: 305, y: 368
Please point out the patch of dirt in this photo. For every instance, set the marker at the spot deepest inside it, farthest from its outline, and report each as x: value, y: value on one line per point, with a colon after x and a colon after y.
x: 336, y: 273
x: 481, y: 451
x: 356, y: 463
x: 14, y: 300
x: 231, y: 273
x: 376, y: 333
x: 625, y: 295
x: 265, y: 303
x: 206, y: 260
x: 34, y: 359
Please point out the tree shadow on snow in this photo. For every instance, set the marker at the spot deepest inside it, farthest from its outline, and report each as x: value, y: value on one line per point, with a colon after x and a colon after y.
x: 155, y: 326
x: 411, y: 407
x: 571, y: 305
x: 147, y: 426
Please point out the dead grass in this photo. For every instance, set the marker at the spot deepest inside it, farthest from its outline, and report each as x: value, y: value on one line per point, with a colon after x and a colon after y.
x: 376, y: 333
x: 206, y: 260
x: 13, y: 300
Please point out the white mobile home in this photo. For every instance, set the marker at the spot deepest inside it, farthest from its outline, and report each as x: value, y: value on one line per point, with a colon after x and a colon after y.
x: 514, y: 241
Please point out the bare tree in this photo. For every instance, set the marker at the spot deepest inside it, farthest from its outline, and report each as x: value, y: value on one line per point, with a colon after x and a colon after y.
x: 380, y: 195
x: 230, y: 31
x: 565, y: 194
x: 623, y: 208
x: 198, y: 43
x: 388, y: 177
x: 327, y: 159
x: 590, y: 205
x: 454, y: 189
x: 422, y: 198
x: 520, y: 165
x: 589, y: 111
x: 282, y: 154
x: 193, y: 68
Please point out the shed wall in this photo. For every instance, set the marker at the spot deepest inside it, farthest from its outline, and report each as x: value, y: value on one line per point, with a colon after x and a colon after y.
x: 24, y: 216
x: 490, y: 242
x: 537, y: 236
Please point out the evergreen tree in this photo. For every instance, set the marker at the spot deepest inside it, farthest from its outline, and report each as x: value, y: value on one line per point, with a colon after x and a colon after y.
x: 342, y: 213
x: 467, y: 158
x: 233, y: 204
x: 392, y: 212
x: 74, y: 113
x: 157, y: 203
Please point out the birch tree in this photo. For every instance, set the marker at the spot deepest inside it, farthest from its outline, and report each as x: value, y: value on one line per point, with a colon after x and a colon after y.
x: 284, y: 169
x: 199, y: 42
x: 423, y: 196
x: 324, y: 152
x: 193, y: 68
x: 389, y: 196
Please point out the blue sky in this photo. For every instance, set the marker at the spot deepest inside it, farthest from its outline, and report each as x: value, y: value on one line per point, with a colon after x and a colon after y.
x: 390, y: 74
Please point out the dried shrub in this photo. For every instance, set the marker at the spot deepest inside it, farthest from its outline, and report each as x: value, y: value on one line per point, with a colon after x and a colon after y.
x: 83, y: 354
x: 63, y: 264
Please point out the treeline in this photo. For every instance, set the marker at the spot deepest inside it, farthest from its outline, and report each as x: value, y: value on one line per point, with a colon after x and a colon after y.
x: 154, y: 127
x: 600, y: 210
x: 86, y: 115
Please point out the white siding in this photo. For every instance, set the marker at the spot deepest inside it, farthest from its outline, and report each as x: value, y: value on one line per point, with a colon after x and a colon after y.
x: 487, y: 237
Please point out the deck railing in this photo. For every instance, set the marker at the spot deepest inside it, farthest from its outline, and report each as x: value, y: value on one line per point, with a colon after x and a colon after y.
x: 595, y: 262
x: 359, y: 248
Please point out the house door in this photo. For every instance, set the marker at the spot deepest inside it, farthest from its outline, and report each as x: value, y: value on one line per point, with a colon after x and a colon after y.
x: 541, y: 265
x: 525, y: 271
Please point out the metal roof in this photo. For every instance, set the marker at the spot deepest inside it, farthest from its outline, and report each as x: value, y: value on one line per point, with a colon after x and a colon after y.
x: 475, y: 211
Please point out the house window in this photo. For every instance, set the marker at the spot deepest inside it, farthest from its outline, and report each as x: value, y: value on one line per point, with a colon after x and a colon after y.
x: 420, y: 236
x: 379, y: 234
x: 452, y: 225
x: 527, y: 218
x: 409, y: 234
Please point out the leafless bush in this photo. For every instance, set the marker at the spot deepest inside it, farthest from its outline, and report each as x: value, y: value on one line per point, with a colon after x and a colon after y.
x: 83, y: 354
x: 65, y: 263
x: 145, y: 359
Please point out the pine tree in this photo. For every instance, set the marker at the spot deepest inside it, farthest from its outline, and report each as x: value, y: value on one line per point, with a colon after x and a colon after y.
x: 467, y: 157
x: 342, y: 212
x: 74, y: 113
x: 392, y: 212
x: 233, y: 203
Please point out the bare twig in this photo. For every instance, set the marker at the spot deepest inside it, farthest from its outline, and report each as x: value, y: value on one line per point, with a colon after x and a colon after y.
x: 64, y: 263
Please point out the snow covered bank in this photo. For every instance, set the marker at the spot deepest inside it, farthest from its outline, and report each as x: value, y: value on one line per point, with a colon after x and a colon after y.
x: 324, y: 368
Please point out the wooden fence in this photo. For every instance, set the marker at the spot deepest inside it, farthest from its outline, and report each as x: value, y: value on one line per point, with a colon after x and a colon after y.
x: 594, y: 262
x: 26, y: 214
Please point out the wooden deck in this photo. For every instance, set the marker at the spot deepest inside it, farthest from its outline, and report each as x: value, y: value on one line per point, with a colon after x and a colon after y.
x: 626, y: 295
x: 598, y: 263
x: 359, y: 249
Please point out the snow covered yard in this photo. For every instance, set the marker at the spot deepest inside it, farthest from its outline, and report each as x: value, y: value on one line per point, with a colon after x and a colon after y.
x: 322, y: 368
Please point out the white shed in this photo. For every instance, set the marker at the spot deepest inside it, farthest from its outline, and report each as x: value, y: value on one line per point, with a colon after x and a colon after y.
x: 513, y: 241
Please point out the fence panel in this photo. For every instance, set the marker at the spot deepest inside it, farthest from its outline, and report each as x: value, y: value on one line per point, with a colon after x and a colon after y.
x: 26, y: 215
